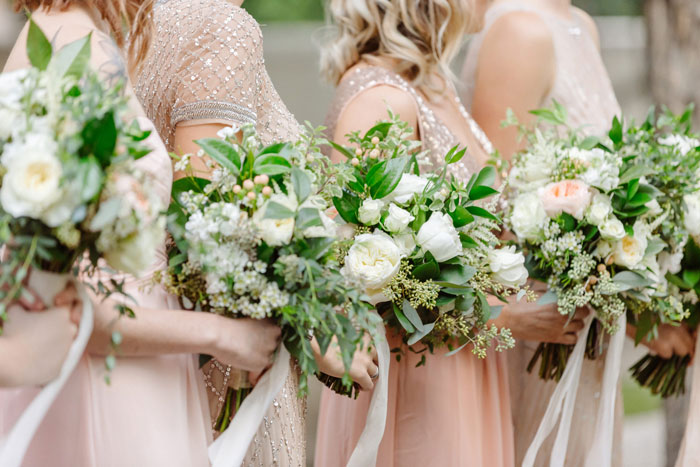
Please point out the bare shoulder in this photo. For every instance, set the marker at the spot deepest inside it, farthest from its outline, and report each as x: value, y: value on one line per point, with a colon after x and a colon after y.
x: 520, y: 29
x: 589, y: 24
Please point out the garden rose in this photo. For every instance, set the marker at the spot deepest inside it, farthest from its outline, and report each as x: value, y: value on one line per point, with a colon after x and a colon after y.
x: 439, y: 236
x: 398, y: 219
x: 528, y: 217
x: 629, y: 251
x: 373, y: 260
x: 371, y: 211
x: 612, y: 229
x: 408, y: 186
x: 569, y: 196
x: 599, y: 210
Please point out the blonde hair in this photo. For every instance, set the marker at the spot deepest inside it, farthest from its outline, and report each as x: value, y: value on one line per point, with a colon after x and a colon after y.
x: 422, y: 36
x: 130, y: 21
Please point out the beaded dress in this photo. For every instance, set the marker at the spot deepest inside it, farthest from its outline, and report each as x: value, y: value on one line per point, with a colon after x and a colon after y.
x: 583, y: 86
x: 452, y: 411
x: 206, y: 65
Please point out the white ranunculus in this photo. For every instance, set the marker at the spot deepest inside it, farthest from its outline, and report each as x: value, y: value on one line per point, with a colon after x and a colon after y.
x: 398, y: 219
x: 371, y: 211
x: 508, y: 266
x: 439, y: 236
x: 599, y: 210
x: 373, y: 260
x: 32, y: 184
x: 136, y: 253
x: 528, y: 217
x: 691, y: 217
x: 629, y: 251
x: 406, y: 243
x: 409, y: 185
x: 612, y: 229
x: 276, y: 232
x: 682, y: 143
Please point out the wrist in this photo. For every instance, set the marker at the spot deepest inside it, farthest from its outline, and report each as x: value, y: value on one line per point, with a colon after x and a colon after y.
x: 211, y: 336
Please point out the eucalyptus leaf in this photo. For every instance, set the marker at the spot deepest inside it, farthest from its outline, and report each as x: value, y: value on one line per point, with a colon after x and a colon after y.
x: 275, y: 210
x: 412, y: 315
x: 420, y: 334
x: 301, y: 183
x: 108, y: 212
x: 71, y: 60
x: 222, y: 152
x: 455, y: 275
x: 308, y: 217
x: 39, y: 48
x: 627, y: 280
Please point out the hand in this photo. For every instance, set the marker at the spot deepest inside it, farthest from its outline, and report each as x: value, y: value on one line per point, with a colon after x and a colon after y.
x: 69, y: 298
x: 246, y: 344
x: 542, y: 323
x: 672, y: 340
x: 362, y: 370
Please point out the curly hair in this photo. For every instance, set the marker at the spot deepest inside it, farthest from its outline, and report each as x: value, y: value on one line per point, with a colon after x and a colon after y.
x: 422, y: 36
x: 131, y: 21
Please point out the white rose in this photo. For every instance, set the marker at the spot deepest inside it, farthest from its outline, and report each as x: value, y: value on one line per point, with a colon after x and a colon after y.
x: 373, y: 260
x: 439, y: 236
x: 409, y: 185
x: 612, y: 229
x: 371, y: 211
x: 136, y: 253
x: 508, y: 267
x: 691, y: 219
x: 406, y: 243
x: 32, y: 184
x: 276, y: 232
x: 398, y: 219
x: 528, y: 217
x: 629, y: 252
x: 599, y: 210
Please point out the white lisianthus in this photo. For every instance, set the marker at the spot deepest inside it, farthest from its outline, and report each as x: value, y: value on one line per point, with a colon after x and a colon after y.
x: 629, y: 251
x: 682, y: 143
x: 599, y: 210
x: 508, y: 266
x: 371, y: 211
x: 691, y: 217
x: 406, y: 243
x: 612, y: 229
x: 439, y: 236
x: 373, y: 260
x: 398, y: 219
x: 276, y: 232
x: 408, y: 186
x: 528, y: 217
x: 136, y: 253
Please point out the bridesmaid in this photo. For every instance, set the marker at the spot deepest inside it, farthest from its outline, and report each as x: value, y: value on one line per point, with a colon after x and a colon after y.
x: 206, y: 72
x: 529, y: 53
x: 452, y: 411
x: 154, y: 411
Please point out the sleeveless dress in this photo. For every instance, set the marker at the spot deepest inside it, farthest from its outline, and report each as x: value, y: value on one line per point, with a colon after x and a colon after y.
x: 452, y: 411
x: 583, y: 86
x: 154, y: 411
x: 206, y: 65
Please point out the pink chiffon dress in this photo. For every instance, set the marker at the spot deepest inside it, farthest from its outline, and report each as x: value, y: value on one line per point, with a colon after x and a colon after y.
x: 154, y: 411
x: 583, y: 86
x: 452, y: 411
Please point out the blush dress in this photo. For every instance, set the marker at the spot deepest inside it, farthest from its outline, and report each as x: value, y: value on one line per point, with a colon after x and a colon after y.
x: 453, y: 411
x: 154, y: 411
x: 583, y: 86
x: 206, y: 66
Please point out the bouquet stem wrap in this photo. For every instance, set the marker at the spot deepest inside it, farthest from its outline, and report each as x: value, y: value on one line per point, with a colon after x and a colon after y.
x: 690, y: 452
x: 561, y: 405
x: 15, y: 444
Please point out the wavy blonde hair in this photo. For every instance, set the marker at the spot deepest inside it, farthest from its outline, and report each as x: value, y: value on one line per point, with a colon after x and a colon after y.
x: 422, y: 36
x: 131, y: 21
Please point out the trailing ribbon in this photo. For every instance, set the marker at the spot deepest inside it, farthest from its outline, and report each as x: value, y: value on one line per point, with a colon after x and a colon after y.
x: 689, y: 454
x: 563, y: 400
x: 14, y: 446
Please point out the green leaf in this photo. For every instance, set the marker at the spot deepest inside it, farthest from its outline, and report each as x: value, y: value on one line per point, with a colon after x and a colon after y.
x: 90, y: 178
x: 465, y: 302
x: 627, y: 280
x: 480, y: 192
x: 183, y: 185
x: 615, y: 133
x: 100, y: 138
x: 412, y: 315
x: 486, y: 177
x: 222, y: 152
x: 72, y: 60
x: 639, y: 199
x: 654, y: 246
x: 426, y: 271
x: 461, y: 217
x: 455, y: 275
x: 635, y: 172
x: 455, y: 156
x: 341, y: 149
x: 39, y: 48
x: 348, y: 206
x: 405, y: 323
x: 455, y: 351
x: 568, y: 222
x: 467, y: 241
x: 589, y: 143
x: 547, y: 298
x: 380, y: 130
x: 308, y: 217
x: 301, y: 183
x: 481, y: 212
x: 632, y: 188
x: 272, y: 164
x: 317, y: 247
x: 418, y: 335
x: 691, y: 277
x: 275, y: 210
x: 106, y: 214
x: 394, y: 170
x: 375, y: 174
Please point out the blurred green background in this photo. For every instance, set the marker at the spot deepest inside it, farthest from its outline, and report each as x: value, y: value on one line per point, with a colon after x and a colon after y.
x: 268, y: 11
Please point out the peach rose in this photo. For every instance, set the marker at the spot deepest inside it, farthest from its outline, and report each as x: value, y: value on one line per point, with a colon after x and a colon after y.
x: 569, y: 196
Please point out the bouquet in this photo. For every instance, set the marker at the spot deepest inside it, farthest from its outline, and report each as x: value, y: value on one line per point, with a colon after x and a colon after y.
x: 588, y: 220
x: 670, y: 152
x: 421, y: 246
x: 255, y: 241
x: 69, y: 184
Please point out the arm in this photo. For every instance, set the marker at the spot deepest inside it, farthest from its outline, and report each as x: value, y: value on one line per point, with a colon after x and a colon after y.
x: 589, y: 24
x: 516, y: 70
x: 672, y: 340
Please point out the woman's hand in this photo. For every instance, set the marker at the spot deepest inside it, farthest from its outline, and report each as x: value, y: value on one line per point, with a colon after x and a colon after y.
x: 363, y: 369
x: 672, y: 340
x: 246, y: 344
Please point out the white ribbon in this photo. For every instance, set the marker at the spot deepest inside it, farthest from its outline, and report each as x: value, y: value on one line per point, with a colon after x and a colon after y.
x: 689, y: 454
x: 230, y: 448
x: 14, y: 446
x: 563, y: 401
x: 365, y: 453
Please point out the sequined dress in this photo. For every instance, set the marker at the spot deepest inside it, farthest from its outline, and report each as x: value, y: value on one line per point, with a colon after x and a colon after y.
x: 583, y: 86
x: 452, y: 411
x: 206, y: 65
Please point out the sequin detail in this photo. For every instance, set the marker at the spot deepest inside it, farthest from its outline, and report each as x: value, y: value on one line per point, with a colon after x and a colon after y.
x: 206, y: 62
x: 436, y: 136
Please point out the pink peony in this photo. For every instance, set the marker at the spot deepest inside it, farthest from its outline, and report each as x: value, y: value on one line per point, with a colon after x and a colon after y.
x: 569, y: 196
